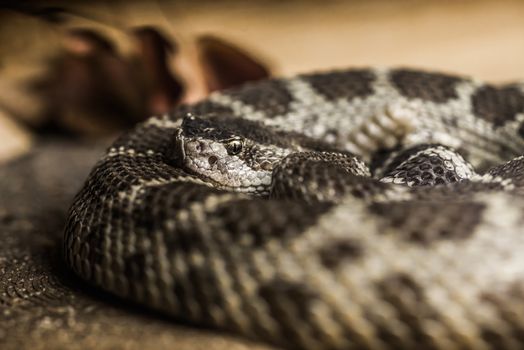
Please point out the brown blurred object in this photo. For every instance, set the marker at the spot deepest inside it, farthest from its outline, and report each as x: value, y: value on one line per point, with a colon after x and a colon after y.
x: 90, y: 88
x: 164, y: 88
x: 97, y: 80
x: 226, y: 65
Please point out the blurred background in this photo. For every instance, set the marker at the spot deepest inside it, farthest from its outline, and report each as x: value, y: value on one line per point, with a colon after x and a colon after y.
x: 75, y: 74
x: 93, y: 69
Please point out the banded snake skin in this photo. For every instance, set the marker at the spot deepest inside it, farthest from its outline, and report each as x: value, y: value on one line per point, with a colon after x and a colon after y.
x: 356, y: 209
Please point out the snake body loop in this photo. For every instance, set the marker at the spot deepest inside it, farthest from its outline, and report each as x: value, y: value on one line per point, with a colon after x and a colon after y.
x: 358, y: 209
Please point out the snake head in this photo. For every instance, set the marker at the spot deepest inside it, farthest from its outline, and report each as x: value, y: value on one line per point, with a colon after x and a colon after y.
x: 225, y: 154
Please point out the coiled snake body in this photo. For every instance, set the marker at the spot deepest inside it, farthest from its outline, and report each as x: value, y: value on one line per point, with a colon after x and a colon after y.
x: 366, y: 208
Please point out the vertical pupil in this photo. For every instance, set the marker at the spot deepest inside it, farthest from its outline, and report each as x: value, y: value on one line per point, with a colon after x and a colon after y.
x: 234, y: 147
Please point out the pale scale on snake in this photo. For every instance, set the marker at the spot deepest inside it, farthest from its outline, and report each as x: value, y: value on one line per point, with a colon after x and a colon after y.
x: 358, y: 209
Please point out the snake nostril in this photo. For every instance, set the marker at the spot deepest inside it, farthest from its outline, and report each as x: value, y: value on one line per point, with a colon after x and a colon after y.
x: 212, y: 160
x: 266, y: 166
x: 201, y: 147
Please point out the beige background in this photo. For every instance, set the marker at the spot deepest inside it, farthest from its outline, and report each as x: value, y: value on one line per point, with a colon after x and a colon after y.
x: 480, y: 38
x: 484, y: 39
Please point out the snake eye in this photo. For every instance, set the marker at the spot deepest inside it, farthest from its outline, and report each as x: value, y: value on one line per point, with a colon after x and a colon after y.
x: 234, y: 147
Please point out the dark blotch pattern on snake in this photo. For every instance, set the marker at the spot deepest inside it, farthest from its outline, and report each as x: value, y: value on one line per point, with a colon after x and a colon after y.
x: 367, y: 209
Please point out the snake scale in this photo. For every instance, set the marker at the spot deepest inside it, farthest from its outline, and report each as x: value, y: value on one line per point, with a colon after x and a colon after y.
x: 352, y: 209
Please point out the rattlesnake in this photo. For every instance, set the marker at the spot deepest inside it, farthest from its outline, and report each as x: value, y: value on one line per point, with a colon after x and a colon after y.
x: 366, y: 208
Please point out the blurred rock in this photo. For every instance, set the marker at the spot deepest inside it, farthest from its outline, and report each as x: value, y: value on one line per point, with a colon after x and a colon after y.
x: 14, y: 139
x: 90, y: 88
x: 226, y: 65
